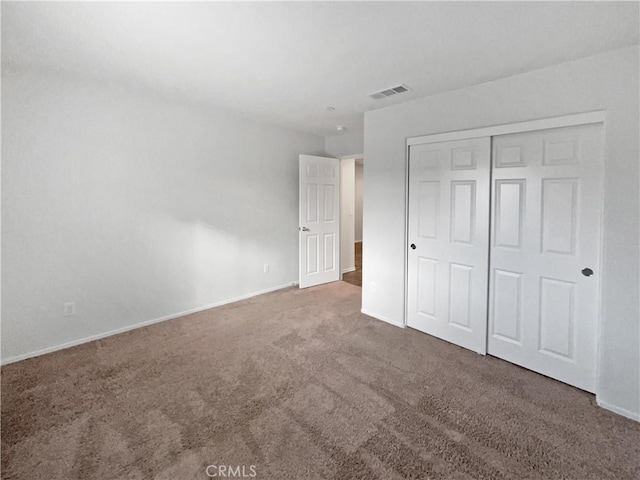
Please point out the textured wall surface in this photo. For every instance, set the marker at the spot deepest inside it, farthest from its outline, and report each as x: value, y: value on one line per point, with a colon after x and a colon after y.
x: 347, y: 144
x: 135, y: 207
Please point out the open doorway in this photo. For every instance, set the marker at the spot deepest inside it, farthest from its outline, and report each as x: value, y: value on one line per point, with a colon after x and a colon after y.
x: 352, y: 170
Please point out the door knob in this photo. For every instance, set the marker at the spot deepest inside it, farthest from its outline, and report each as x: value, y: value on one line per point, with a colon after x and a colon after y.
x: 304, y: 229
x: 587, y: 272
x: 413, y: 246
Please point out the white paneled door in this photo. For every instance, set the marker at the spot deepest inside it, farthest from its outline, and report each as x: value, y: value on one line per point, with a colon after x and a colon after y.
x: 449, y: 240
x: 525, y: 248
x: 544, y: 275
x: 319, y: 235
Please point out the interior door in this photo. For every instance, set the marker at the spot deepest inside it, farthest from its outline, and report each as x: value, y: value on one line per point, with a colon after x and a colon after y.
x: 449, y: 240
x: 544, y: 278
x: 319, y: 236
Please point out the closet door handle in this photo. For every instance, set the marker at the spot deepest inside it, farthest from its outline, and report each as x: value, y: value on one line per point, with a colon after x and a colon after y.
x: 587, y: 272
x: 413, y: 246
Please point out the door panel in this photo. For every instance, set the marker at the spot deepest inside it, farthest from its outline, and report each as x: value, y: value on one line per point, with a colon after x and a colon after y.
x: 448, y: 224
x: 546, y: 229
x: 319, y: 220
x: 507, y: 320
x: 463, y: 202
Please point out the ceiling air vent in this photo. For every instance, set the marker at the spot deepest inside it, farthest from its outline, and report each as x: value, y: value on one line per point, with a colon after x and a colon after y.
x: 388, y: 92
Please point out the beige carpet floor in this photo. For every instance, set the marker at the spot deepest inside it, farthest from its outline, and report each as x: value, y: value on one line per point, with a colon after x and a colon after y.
x: 299, y: 384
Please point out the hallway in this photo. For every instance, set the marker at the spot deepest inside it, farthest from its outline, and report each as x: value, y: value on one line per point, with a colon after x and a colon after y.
x: 355, y: 277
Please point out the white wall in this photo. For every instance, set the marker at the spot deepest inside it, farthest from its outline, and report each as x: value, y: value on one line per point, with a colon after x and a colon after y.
x: 358, y: 202
x: 135, y: 207
x: 351, y: 143
x: 608, y: 81
x: 347, y: 215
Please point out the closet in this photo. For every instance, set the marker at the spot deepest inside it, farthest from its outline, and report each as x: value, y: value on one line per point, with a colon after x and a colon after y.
x: 504, y: 246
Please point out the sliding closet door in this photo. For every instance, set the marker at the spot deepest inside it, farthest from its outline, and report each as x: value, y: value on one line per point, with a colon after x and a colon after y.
x: 448, y: 237
x: 544, y: 276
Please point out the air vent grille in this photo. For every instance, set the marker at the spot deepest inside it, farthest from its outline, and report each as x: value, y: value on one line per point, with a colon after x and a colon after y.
x: 388, y: 92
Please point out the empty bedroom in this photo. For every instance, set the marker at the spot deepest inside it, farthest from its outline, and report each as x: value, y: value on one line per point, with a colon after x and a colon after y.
x: 320, y: 240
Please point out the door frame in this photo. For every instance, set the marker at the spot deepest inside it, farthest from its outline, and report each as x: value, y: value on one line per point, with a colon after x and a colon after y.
x: 354, y: 157
x: 598, y: 116
x: 585, y: 118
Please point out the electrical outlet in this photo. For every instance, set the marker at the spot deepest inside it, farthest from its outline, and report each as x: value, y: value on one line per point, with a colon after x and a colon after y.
x: 69, y: 309
x: 266, y: 268
x: 373, y: 287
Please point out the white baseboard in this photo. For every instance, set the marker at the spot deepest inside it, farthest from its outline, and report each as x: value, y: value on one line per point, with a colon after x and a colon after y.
x: 357, y: 241
x: 384, y: 319
x: 99, y: 336
x: 349, y: 269
x: 620, y: 411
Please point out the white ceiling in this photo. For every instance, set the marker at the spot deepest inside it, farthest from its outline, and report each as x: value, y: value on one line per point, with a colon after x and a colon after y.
x: 284, y: 63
